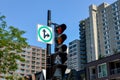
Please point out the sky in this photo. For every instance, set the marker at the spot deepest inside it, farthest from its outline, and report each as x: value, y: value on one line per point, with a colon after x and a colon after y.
x: 26, y: 14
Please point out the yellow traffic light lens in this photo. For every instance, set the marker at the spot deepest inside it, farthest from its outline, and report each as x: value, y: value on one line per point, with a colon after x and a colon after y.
x: 59, y: 40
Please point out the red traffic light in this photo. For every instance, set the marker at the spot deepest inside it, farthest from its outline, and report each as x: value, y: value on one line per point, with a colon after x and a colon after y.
x: 60, y: 29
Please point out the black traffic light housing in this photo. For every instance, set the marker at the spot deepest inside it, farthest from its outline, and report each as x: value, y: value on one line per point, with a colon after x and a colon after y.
x: 60, y: 51
x: 60, y: 38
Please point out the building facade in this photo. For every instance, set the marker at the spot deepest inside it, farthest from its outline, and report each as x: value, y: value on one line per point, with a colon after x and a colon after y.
x: 107, y: 68
x: 102, y: 30
x: 73, y: 61
x: 102, y: 34
x: 35, y: 61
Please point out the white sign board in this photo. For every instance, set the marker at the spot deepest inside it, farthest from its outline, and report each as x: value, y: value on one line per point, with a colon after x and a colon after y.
x: 44, y: 34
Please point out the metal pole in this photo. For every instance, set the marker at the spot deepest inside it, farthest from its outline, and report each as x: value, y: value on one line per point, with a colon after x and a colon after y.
x: 48, y: 52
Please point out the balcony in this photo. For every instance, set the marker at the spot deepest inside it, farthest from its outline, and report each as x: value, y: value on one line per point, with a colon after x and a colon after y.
x: 82, y: 32
x: 82, y: 36
x: 82, y: 44
x: 83, y: 57
x: 82, y: 48
x: 82, y: 52
x: 82, y: 41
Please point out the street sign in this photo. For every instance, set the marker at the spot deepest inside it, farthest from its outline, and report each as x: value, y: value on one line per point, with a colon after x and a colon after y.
x: 45, y: 34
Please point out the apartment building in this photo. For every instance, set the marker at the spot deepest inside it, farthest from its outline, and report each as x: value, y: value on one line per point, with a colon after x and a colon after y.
x: 73, y: 61
x: 102, y: 30
x: 102, y: 33
x: 35, y: 61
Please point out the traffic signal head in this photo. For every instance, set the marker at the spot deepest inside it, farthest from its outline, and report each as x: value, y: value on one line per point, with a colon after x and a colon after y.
x: 60, y: 28
x: 60, y: 38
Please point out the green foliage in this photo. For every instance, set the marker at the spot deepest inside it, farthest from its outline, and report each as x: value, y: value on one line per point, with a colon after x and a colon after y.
x: 11, y: 44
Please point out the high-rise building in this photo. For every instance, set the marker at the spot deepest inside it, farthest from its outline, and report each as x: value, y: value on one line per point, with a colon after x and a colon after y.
x: 102, y: 33
x: 102, y: 29
x: 35, y: 61
x: 73, y: 61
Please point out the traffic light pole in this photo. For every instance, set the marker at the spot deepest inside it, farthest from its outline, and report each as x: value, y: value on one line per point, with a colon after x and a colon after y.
x: 48, y: 51
x: 48, y: 46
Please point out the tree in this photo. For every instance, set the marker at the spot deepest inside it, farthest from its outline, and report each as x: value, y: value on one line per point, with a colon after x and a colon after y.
x: 11, y: 45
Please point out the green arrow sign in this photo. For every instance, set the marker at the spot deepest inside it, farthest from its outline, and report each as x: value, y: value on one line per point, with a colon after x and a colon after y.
x: 45, y: 34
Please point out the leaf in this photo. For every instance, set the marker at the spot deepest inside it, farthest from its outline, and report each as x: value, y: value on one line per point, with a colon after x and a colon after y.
x: 11, y: 44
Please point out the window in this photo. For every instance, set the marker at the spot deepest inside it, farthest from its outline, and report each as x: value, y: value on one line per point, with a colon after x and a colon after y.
x: 117, y: 27
x: 117, y: 32
x: 108, y: 52
x: 106, y: 33
x: 105, y: 28
x: 70, y: 47
x: 118, y: 47
x: 104, y: 19
x: 74, y: 45
x: 107, y: 47
x: 43, y: 51
x: 118, y: 42
x: 114, y: 7
x: 118, y: 37
x: 104, y: 24
x: 104, y: 15
x: 102, y: 70
x: 70, y: 55
x: 106, y: 37
x: 116, y: 13
x: 117, y: 23
x: 116, y: 18
x: 106, y: 42
x: 103, y: 11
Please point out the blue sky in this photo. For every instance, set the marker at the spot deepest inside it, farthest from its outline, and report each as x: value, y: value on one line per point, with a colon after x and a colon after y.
x: 26, y: 14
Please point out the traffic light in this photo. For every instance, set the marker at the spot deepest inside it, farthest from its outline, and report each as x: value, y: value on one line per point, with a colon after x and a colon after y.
x: 60, y: 38
x: 59, y: 58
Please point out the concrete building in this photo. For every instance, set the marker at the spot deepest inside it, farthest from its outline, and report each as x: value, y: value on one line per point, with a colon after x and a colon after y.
x: 35, y: 61
x: 107, y: 68
x: 102, y: 33
x: 102, y: 29
x: 73, y: 61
